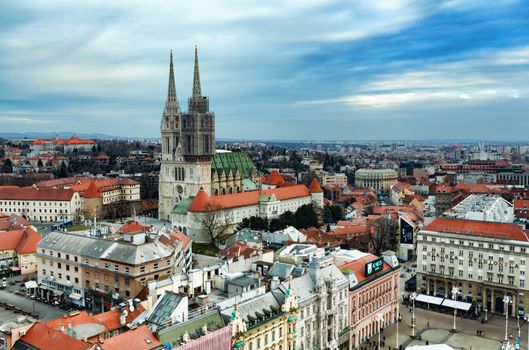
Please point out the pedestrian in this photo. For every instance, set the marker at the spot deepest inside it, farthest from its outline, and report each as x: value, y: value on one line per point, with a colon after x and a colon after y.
x: 428, y: 324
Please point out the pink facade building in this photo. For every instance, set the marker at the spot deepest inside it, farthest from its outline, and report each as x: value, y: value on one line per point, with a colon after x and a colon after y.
x: 373, y: 295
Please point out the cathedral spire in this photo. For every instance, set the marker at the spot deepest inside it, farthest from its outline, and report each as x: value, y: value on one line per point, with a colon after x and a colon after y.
x: 171, y: 105
x: 196, y: 77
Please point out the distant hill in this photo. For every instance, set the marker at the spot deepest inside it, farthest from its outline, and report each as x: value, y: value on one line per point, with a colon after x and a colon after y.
x: 66, y: 134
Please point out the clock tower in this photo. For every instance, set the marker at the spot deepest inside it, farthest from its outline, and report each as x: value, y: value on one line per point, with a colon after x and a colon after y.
x: 188, y: 144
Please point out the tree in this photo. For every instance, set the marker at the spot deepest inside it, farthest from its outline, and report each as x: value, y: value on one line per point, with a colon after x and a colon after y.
x: 8, y: 166
x: 277, y: 225
x: 383, y: 235
x: 216, y: 221
x: 63, y: 172
x: 306, y: 217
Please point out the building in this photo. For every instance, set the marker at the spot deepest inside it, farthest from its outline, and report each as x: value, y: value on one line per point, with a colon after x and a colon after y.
x: 205, y: 217
x: 202, y: 332
x: 17, y: 251
x: 379, y: 179
x: 373, y: 291
x: 41, y: 205
x: 482, y: 207
x: 104, y: 197
x: 322, y: 294
x: 399, y: 191
x: 69, y: 145
x: 335, y: 179
x: 485, y: 260
x: 264, y: 322
x: 96, y: 273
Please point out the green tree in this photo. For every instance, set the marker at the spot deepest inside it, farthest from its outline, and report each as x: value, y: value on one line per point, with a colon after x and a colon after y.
x: 63, y: 172
x: 306, y: 216
x: 8, y: 166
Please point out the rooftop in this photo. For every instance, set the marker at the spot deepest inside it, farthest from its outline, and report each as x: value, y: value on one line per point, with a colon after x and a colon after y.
x: 478, y: 229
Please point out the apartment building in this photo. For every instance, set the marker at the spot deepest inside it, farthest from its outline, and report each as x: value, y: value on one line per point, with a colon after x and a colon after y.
x: 41, y: 205
x: 96, y: 273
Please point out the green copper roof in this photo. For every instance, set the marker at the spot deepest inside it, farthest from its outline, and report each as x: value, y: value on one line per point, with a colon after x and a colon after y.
x: 173, y: 334
x: 224, y: 162
x: 181, y: 208
x: 248, y: 185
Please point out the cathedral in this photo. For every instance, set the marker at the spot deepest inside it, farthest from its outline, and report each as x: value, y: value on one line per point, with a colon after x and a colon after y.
x: 189, y: 160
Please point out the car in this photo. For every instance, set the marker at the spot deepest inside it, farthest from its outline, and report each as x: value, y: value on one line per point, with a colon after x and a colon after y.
x: 4, y: 282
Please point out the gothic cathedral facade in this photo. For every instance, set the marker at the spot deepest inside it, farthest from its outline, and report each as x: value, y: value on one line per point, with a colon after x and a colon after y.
x: 188, y: 146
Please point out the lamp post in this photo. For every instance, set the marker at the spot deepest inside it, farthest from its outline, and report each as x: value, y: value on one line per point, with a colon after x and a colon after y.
x: 413, y: 296
x: 455, y: 292
x: 519, y: 330
x: 526, y: 317
x: 506, y: 301
x: 398, y: 321
x: 379, y: 318
x: 486, y: 314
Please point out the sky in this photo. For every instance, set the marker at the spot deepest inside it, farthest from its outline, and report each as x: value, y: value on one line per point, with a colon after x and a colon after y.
x: 275, y: 69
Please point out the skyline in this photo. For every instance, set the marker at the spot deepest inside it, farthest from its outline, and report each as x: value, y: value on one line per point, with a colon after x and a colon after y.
x: 427, y: 70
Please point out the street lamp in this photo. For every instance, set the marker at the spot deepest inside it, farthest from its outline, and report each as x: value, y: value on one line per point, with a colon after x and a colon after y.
x: 398, y: 321
x: 379, y: 318
x: 413, y: 296
x: 455, y: 292
x: 486, y: 313
x: 526, y: 317
x: 518, y: 326
x: 506, y: 301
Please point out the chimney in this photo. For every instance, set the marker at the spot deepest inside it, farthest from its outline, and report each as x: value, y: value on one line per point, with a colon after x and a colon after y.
x: 61, y: 327
x: 69, y: 324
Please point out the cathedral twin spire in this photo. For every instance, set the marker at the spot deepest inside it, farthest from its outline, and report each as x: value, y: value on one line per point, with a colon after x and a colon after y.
x: 172, y: 106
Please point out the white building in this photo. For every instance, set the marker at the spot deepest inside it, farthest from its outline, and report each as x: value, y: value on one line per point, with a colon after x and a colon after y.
x: 44, y: 205
x: 227, y: 211
x: 483, y: 207
x: 485, y: 260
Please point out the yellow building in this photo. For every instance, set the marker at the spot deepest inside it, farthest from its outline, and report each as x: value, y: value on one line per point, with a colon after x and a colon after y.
x: 265, y: 322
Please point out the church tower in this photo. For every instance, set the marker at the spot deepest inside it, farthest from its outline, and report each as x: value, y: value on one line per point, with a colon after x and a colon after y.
x: 188, y: 144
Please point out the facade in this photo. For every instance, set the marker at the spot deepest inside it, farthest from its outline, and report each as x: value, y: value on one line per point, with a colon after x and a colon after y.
x: 334, y: 179
x: 202, y: 214
x: 101, y: 197
x: 189, y: 160
x: 485, y: 260
x: 379, y: 179
x: 62, y: 145
x: 264, y: 323
x: 17, y: 251
x: 96, y: 273
x: 372, y: 293
x: 323, y: 294
x: 42, y: 205
x: 482, y: 207
x: 514, y: 178
x: 188, y: 144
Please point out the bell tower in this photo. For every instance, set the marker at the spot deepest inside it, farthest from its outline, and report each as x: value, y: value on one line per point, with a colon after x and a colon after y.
x: 188, y: 144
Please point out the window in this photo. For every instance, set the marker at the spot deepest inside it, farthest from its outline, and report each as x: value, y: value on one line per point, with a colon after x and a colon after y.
x: 126, y: 269
x: 116, y: 268
x: 107, y: 265
x: 142, y: 269
x: 522, y: 283
x: 59, y: 265
x: 156, y: 266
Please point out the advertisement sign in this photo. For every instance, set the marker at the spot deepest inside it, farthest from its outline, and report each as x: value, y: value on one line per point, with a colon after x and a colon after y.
x: 406, y: 234
x: 374, y: 266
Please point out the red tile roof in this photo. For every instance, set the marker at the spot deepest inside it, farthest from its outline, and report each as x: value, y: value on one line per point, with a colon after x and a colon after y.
x: 74, y: 319
x: 182, y: 238
x: 478, y: 228
x: 110, y: 319
x: 31, y: 193
x: 358, y: 268
x: 202, y: 202
x: 40, y: 336
x: 140, y: 338
x: 274, y: 178
x: 133, y: 227
x: 315, y: 186
x: 12, y: 222
x: 23, y: 241
x: 92, y: 191
x: 521, y: 203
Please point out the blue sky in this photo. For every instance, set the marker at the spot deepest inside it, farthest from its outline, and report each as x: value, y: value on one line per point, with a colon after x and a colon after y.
x: 299, y: 69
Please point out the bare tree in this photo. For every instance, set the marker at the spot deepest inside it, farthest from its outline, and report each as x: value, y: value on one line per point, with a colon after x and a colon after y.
x: 383, y: 235
x: 216, y: 221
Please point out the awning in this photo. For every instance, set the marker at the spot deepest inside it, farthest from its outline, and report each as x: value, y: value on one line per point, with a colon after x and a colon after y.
x: 15, y: 268
x: 58, y: 293
x: 457, y: 304
x: 75, y: 296
x: 429, y: 299
x: 43, y: 287
x: 31, y: 284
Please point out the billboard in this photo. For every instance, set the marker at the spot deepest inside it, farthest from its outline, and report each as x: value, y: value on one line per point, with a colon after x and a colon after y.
x: 374, y: 266
x: 406, y: 234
